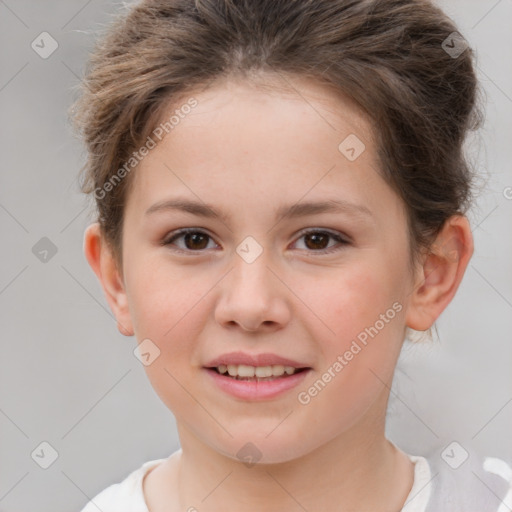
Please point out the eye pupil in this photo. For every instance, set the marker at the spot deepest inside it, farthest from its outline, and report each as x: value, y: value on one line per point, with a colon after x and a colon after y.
x: 194, y: 237
x: 315, y: 238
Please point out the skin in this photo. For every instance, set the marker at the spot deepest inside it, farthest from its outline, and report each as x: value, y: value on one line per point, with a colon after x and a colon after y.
x: 247, y: 151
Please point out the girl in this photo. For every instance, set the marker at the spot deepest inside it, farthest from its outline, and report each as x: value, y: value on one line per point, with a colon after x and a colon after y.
x: 281, y: 192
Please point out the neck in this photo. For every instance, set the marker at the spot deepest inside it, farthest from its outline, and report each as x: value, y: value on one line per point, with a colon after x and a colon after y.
x: 335, y: 477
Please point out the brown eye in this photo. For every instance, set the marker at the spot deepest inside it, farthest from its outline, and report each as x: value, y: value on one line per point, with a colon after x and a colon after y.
x: 318, y: 241
x: 194, y: 240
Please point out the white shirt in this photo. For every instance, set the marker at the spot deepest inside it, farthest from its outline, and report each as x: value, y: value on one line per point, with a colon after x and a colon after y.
x: 432, y: 491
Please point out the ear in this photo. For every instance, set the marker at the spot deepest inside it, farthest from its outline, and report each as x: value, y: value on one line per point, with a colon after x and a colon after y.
x: 441, y: 273
x: 101, y: 260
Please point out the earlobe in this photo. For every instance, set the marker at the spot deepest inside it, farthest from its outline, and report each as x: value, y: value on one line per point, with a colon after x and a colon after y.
x: 441, y: 274
x: 102, y: 262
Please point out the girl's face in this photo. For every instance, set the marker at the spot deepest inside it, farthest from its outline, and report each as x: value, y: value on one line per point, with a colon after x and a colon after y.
x: 325, y: 287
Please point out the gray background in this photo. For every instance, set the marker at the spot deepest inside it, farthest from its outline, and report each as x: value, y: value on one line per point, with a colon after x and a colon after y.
x: 69, y: 378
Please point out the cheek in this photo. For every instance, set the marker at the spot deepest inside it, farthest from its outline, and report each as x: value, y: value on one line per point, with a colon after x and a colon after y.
x: 352, y: 299
x: 357, y: 360
x: 169, y: 309
x: 166, y: 305
x: 363, y: 310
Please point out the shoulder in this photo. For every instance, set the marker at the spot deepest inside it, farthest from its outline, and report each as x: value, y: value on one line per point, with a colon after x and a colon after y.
x: 126, y: 495
x: 463, y: 479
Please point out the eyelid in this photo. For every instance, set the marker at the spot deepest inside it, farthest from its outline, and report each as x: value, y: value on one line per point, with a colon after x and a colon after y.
x: 335, y: 234
x: 341, y: 239
x: 170, y: 237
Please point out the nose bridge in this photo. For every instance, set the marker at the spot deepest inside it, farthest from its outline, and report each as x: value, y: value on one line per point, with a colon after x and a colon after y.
x: 250, y: 272
x: 251, y: 295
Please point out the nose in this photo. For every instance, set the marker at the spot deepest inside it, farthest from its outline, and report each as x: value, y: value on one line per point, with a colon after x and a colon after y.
x: 253, y: 297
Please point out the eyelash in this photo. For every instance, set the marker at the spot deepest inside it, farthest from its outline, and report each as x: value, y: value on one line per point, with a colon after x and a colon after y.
x: 181, y: 232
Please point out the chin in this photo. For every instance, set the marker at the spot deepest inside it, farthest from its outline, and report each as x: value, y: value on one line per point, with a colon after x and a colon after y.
x: 263, y: 449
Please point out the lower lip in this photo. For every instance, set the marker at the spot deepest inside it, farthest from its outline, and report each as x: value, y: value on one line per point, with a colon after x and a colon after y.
x: 254, y: 390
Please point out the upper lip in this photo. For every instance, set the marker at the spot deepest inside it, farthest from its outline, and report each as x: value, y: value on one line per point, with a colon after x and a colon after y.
x: 265, y: 359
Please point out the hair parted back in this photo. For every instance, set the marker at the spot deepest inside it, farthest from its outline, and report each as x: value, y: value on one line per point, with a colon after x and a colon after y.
x: 385, y: 55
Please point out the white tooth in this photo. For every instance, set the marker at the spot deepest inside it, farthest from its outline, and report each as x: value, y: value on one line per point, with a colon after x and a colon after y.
x: 233, y: 370
x: 289, y: 369
x: 248, y: 371
x: 245, y: 371
x: 277, y: 369
x: 264, y: 371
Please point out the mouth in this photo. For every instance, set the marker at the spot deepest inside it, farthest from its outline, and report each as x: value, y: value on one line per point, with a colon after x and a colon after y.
x: 256, y: 373
x: 255, y: 377
x: 256, y: 383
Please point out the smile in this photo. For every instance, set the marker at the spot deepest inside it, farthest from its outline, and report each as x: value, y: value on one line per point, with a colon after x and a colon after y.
x: 246, y: 372
x: 256, y: 383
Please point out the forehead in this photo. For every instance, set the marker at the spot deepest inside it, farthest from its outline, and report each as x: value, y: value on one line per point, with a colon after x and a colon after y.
x: 296, y: 95
x: 256, y: 139
x: 235, y: 113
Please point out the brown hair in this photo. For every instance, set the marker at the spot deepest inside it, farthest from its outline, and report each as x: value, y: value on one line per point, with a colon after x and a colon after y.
x: 388, y: 56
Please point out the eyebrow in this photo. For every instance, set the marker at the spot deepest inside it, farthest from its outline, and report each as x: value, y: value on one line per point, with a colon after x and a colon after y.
x: 284, y: 212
